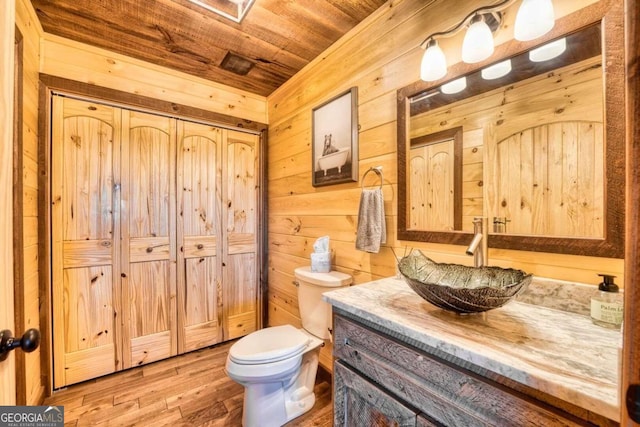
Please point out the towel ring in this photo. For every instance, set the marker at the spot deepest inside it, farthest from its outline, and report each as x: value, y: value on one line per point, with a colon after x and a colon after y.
x: 378, y: 172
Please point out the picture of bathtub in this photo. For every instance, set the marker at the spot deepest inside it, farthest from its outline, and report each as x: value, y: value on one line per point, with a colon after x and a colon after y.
x: 334, y: 160
x: 334, y: 140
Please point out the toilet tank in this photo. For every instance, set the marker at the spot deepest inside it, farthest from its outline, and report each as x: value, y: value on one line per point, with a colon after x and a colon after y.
x: 314, y: 312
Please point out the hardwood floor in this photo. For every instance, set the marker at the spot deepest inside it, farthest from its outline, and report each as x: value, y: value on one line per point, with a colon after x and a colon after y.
x: 188, y: 390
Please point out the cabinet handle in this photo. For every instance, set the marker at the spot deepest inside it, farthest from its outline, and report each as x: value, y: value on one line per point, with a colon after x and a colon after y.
x: 149, y: 249
x: 200, y: 246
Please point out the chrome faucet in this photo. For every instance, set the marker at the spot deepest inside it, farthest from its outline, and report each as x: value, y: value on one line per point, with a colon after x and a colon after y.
x: 479, y: 246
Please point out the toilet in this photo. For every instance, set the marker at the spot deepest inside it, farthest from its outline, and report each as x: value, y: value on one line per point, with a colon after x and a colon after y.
x: 277, y: 365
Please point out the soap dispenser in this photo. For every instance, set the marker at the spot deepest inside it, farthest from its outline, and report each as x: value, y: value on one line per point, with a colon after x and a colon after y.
x: 607, y: 305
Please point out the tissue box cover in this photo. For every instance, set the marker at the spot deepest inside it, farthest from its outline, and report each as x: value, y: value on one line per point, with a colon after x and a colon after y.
x: 321, y: 262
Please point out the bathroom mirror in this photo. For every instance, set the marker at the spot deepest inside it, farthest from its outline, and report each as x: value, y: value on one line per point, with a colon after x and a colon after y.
x: 538, y: 151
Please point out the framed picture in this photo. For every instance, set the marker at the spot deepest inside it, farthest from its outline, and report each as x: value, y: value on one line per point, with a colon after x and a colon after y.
x: 335, y: 140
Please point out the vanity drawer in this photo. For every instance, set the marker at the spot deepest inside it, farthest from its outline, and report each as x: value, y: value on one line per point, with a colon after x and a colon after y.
x: 358, y: 402
x: 444, y: 392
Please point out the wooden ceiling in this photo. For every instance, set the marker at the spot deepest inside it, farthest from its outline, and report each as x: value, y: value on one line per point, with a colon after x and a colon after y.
x: 279, y: 37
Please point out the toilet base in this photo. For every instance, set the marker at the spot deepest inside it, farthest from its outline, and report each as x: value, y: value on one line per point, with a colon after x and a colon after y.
x: 270, y: 412
x: 274, y: 403
x: 299, y: 407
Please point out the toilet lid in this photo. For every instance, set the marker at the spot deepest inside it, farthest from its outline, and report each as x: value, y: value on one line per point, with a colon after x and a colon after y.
x: 332, y: 279
x: 269, y: 345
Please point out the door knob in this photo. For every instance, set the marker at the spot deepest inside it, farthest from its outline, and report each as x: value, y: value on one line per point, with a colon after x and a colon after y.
x: 633, y: 402
x: 29, y: 342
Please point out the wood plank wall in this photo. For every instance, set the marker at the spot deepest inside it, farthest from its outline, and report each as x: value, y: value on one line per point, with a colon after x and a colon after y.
x: 45, y: 53
x: 30, y: 388
x: 379, y: 56
x: 77, y: 61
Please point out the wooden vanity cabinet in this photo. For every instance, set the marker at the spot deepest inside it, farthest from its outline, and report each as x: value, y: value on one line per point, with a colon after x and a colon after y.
x: 381, y: 379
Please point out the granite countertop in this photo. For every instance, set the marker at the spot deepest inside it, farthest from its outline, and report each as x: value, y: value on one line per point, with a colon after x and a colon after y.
x: 560, y: 353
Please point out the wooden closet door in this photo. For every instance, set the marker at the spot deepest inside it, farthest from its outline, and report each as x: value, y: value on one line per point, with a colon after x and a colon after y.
x: 148, y: 238
x: 431, y: 187
x: 199, y: 228
x: 533, y: 179
x: 85, y: 248
x: 241, y: 219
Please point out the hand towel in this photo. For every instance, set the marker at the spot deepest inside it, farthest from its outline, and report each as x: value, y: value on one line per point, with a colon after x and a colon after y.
x: 372, y: 230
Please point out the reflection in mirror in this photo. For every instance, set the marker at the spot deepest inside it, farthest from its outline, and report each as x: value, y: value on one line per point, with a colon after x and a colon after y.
x: 539, y: 157
x: 435, y: 164
x: 522, y: 145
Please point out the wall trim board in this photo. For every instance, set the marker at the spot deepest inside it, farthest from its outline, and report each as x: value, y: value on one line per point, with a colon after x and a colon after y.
x: 18, y: 223
x: 44, y: 229
x: 263, y: 232
x: 129, y: 100
x: 630, y: 369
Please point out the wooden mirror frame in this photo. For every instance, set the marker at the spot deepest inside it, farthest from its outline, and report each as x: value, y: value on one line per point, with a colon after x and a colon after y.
x: 610, y: 14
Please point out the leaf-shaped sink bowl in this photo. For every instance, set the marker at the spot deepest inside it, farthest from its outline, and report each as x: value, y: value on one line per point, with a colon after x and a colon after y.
x: 459, y: 288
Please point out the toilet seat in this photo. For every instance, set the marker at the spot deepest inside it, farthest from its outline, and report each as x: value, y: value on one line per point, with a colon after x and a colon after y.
x: 269, y: 345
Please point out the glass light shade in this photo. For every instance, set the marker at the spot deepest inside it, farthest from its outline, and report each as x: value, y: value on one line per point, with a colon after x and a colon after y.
x: 434, y: 63
x: 534, y: 19
x: 548, y: 51
x: 454, y: 86
x: 496, y: 71
x: 478, y: 43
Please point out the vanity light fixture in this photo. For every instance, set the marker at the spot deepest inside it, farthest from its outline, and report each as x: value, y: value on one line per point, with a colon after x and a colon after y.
x: 497, y: 70
x: 454, y: 86
x: 548, y: 51
x: 478, y: 41
x: 434, y: 63
x: 534, y: 18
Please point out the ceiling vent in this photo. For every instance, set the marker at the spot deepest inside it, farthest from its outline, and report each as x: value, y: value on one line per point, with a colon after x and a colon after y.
x: 234, y: 10
x: 236, y: 64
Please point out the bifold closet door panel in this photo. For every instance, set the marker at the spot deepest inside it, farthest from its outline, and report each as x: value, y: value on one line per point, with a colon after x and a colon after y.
x: 240, y: 228
x: 85, y: 245
x: 148, y: 238
x: 154, y: 237
x: 431, y: 187
x: 199, y: 228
